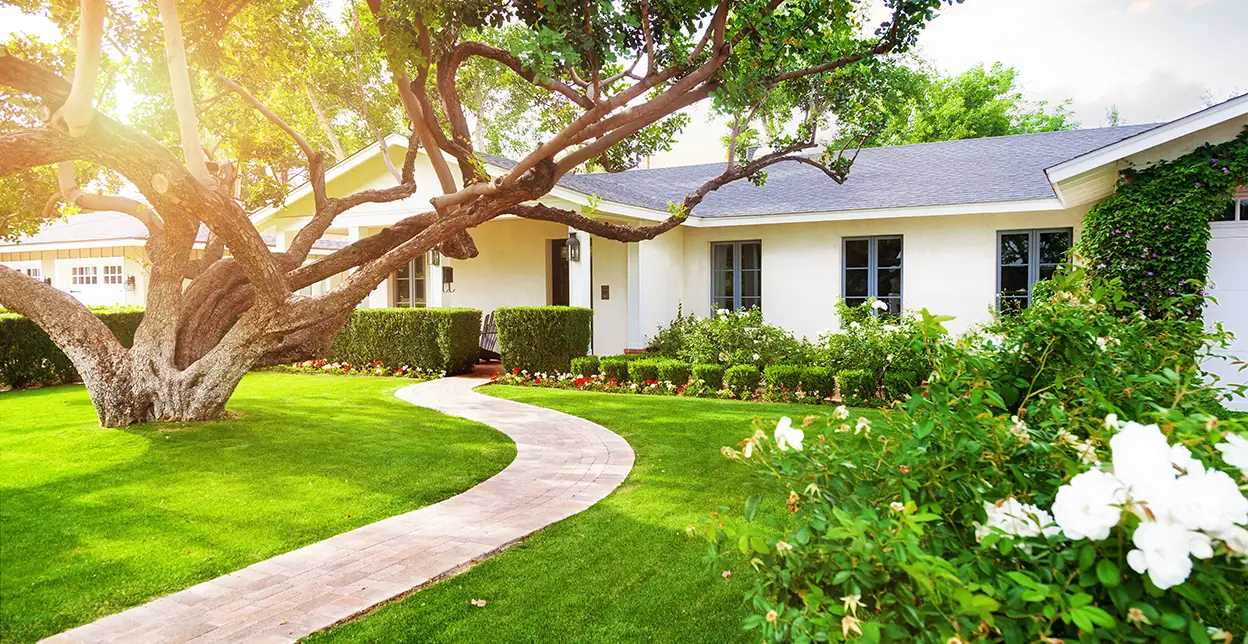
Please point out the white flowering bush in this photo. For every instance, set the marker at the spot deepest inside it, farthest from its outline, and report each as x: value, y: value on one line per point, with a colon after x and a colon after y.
x: 729, y: 338
x: 1041, y: 498
x: 877, y: 344
x: 376, y: 368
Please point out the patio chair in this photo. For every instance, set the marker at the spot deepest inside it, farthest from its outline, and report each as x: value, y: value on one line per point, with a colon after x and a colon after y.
x: 489, y: 338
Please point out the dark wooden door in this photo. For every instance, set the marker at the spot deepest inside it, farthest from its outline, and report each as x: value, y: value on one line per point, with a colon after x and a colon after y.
x: 559, y: 272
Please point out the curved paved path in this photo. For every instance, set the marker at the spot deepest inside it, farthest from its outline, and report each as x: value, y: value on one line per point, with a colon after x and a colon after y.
x: 563, y: 465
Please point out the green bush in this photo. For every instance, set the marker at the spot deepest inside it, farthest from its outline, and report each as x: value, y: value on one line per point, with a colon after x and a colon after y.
x: 29, y: 357
x: 640, y: 371
x: 730, y: 338
x: 585, y: 367
x: 819, y: 379
x: 1009, y: 494
x: 712, y: 375
x: 674, y: 371
x: 873, y: 343
x: 427, y: 339
x: 742, y: 378
x: 899, y: 384
x: 857, y: 386
x: 782, y: 376
x: 543, y: 339
x: 614, y: 368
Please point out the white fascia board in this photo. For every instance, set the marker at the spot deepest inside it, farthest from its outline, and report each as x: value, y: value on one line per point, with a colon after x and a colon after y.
x: 987, y: 208
x: 35, y: 247
x: 1196, y: 122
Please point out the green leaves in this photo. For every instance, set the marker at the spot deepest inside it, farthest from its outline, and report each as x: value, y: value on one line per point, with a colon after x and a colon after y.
x: 1108, y: 574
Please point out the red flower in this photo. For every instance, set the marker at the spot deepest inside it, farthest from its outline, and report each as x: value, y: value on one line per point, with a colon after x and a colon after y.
x: 580, y: 382
x: 537, y: 381
x: 515, y: 371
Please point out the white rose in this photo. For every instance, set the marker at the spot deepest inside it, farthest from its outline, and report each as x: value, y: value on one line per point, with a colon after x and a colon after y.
x: 879, y: 306
x: 1235, y: 451
x: 1017, y: 520
x: 864, y: 425
x: 1090, y: 505
x: 1162, y: 551
x: 1182, y: 458
x: 788, y: 436
x: 888, y: 328
x: 1111, y: 422
x: 841, y: 412
x: 1141, y: 460
x: 1209, y: 500
x: 1236, y: 539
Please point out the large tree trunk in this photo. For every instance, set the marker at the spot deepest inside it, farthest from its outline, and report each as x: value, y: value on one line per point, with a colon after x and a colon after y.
x: 128, y: 393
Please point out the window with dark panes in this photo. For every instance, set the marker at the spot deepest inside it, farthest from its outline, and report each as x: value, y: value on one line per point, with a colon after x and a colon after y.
x: 736, y: 275
x: 1025, y: 257
x: 1236, y: 210
x: 873, y: 270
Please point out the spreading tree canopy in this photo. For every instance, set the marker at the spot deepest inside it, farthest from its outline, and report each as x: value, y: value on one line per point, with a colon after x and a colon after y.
x: 236, y: 101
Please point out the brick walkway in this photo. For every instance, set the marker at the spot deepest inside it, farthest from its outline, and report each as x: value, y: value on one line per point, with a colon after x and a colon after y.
x: 563, y: 465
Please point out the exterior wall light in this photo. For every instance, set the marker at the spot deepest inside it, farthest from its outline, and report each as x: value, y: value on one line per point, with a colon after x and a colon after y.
x: 574, y: 247
x: 435, y: 256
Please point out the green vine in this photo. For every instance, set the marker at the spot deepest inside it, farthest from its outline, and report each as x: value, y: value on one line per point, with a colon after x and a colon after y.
x: 1153, y: 233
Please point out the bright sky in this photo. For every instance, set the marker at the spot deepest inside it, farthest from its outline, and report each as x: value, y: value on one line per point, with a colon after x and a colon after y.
x: 1156, y: 60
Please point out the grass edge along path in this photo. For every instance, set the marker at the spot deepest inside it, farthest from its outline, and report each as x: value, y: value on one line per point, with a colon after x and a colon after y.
x: 622, y: 571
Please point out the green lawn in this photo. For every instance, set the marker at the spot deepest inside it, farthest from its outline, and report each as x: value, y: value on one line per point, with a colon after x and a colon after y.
x: 94, y: 520
x: 622, y: 571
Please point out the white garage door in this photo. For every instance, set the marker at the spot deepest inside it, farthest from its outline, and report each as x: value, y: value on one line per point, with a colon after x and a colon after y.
x: 1228, y: 270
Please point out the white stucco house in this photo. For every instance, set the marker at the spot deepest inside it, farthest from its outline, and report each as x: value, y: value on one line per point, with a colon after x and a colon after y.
x: 953, y: 227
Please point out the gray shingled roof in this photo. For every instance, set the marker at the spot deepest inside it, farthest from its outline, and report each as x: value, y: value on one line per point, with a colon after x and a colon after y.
x: 1003, y: 168
x: 108, y: 226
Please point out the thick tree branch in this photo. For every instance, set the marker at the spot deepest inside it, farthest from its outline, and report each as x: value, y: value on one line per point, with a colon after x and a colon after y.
x: 596, y: 227
x: 183, y: 98
x: 467, y: 49
x: 76, y: 114
x: 72, y: 194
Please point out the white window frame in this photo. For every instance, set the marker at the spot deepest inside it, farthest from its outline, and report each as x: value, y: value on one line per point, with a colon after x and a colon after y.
x: 111, y: 278
x: 84, y: 275
x: 416, y: 303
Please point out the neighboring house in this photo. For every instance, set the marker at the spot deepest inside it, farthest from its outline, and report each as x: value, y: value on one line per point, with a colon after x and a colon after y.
x: 952, y: 227
x: 100, y: 257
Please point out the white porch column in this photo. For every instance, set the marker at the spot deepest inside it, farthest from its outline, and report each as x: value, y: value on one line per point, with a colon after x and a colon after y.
x: 284, y: 239
x: 380, y: 297
x: 580, y: 274
x: 434, y: 297
x: 635, y: 339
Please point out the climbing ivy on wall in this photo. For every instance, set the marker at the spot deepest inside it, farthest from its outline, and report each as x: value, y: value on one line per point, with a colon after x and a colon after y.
x: 1153, y: 233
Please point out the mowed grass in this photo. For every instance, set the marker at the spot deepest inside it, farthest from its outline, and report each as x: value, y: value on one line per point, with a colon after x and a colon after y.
x: 623, y: 570
x: 94, y: 520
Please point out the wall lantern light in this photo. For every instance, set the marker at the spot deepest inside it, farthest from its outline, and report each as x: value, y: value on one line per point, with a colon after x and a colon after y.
x: 435, y: 256
x: 574, y: 247
x: 448, y: 280
x: 130, y: 283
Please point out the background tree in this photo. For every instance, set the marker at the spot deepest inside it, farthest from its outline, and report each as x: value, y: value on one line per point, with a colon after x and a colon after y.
x: 623, y: 66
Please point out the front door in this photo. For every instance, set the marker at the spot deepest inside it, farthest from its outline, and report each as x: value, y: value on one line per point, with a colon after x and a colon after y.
x: 559, y: 272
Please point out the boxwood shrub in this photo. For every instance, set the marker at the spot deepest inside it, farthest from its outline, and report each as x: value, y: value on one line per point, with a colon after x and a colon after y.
x: 674, y: 371
x: 742, y: 378
x: 782, y: 376
x: 819, y: 379
x: 899, y: 384
x: 29, y: 357
x: 428, y: 339
x: 712, y: 375
x: 614, y: 368
x: 585, y: 366
x: 857, y: 386
x: 639, y: 371
x: 542, y: 339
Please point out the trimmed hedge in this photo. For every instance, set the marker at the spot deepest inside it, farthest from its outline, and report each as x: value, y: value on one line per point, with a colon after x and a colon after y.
x: 427, y: 339
x: 28, y: 356
x: 742, y: 377
x: 819, y: 379
x: 712, y: 375
x: 614, y: 368
x: 899, y: 384
x: 585, y: 367
x: 639, y: 371
x: 782, y: 376
x: 542, y: 339
x: 674, y: 371
x: 857, y: 386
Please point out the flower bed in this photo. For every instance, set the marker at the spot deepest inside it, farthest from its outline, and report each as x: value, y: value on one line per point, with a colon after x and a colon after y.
x: 695, y: 388
x: 375, y: 369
